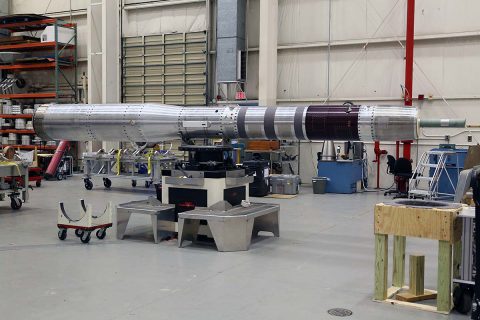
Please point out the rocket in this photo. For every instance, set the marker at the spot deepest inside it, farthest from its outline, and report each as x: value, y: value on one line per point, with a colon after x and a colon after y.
x: 157, y: 122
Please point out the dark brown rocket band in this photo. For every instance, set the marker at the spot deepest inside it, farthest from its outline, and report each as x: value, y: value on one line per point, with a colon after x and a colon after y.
x: 332, y: 123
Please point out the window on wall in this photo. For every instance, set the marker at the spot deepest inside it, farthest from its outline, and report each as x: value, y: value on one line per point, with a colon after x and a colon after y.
x: 165, y: 68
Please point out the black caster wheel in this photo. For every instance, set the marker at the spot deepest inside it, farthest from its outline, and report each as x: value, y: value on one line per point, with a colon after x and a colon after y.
x: 59, y: 176
x: 62, y: 234
x: 148, y: 184
x: 78, y: 232
x: 107, y: 183
x: 85, y: 238
x: 134, y: 183
x: 462, y: 299
x: 88, y: 184
x: 101, y: 233
x: 38, y: 183
x: 15, y: 203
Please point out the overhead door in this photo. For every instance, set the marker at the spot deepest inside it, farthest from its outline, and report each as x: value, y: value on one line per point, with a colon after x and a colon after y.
x: 165, y: 68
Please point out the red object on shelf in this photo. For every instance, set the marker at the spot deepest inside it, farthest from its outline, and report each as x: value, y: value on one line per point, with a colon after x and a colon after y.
x: 16, y: 116
x: 37, y: 95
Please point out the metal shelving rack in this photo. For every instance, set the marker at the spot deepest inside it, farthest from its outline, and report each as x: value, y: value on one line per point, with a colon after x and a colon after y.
x: 58, y: 65
x: 64, y: 57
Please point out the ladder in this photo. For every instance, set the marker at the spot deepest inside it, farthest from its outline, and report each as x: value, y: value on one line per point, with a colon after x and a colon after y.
x: 425, y: 180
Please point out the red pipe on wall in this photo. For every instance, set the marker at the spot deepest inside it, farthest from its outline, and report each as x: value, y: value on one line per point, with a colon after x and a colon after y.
x: 409, y: 45
x: 408, y: 94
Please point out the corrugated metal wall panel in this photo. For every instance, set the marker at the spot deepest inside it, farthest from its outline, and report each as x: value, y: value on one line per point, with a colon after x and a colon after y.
x: 166, y: 68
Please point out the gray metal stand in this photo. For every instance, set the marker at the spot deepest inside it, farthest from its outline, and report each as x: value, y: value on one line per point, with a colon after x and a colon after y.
x: 232, y: 228
x: 162, y: 216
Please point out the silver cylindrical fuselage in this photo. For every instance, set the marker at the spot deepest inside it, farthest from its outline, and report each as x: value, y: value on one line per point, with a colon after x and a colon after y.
x: 155, y: 123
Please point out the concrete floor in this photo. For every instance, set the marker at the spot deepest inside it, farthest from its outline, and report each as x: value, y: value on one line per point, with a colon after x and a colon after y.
x: 323, y: 259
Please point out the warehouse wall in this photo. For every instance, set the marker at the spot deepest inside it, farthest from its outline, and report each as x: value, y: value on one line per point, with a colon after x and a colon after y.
x: 446, y: 54
x: 168, y: 19
x: 4, y: 7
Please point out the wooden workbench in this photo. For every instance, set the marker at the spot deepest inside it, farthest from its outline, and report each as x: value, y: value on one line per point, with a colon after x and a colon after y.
x: 427, y: 223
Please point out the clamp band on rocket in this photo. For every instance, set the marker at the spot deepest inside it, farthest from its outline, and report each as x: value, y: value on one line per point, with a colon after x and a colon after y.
x: 155, y: 122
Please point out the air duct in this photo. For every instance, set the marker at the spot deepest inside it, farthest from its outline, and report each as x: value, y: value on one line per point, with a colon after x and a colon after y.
x: 230, y: 60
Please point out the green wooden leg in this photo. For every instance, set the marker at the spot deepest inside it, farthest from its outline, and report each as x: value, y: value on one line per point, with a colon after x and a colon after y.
x: 444, y: 281
x: 417, y: 274
x: 381, y: 266
x: 399, y: 244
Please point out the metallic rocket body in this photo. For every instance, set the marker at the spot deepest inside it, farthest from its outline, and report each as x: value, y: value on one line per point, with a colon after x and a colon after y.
x: 155, y: 123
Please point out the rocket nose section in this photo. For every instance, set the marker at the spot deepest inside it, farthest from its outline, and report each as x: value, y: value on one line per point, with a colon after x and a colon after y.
x: 38, y: 122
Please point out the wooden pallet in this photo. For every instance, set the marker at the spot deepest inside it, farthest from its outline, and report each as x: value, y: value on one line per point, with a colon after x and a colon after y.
x: 392, y: 299
x: 409, y: 297
x: 427, y: 223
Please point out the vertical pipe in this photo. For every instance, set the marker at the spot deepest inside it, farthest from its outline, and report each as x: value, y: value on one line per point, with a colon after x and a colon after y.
x: 267, y: 66
x: 329, y: 47
x: 208, y: 32
x: 75, y: 61
x: 246, y: 48
x: 409, y: 44
x: 57, y: 61
x: 120, y: 49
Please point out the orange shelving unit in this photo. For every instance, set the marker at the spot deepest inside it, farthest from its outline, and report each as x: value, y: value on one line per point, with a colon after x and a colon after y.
x: 52, y: 55
x: 33, y: 95
x: 29, y: 66
x: 16, y: 116
x: 19, y: 131
x: 31, y: 46
x: 63, y: 55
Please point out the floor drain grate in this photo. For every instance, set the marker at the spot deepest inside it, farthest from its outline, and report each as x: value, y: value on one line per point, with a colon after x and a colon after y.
x: 340, y: 312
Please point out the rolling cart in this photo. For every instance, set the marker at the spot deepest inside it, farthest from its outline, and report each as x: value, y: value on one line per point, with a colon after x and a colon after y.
x: 86, y: 224
x: 16, y: 191
x: 34, y: 175
x: 136, y: 167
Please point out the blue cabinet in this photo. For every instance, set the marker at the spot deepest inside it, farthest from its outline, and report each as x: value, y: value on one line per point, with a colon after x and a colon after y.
x: 343, y: 175
x: 453, y: 166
